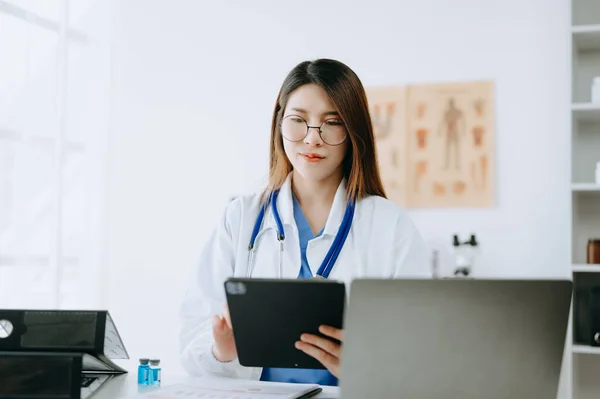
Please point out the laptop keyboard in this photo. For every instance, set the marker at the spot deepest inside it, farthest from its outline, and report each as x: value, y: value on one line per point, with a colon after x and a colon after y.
x: 87, y: 381
x: 91, y: 383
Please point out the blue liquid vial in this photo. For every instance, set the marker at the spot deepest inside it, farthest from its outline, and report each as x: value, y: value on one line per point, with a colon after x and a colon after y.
x: 155, y: 372
x: 143, y: 372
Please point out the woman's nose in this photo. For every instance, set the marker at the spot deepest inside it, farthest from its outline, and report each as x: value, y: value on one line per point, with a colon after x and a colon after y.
x: 313, y: 136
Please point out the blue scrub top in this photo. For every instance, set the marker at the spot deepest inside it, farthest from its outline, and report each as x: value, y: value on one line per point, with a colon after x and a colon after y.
x: 304, y: 376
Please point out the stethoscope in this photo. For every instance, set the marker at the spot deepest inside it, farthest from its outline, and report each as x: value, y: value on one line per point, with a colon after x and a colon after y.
x: 332, y: 254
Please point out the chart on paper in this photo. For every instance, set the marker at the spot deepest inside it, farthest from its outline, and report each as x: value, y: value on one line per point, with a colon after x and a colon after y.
x: 230, y: 389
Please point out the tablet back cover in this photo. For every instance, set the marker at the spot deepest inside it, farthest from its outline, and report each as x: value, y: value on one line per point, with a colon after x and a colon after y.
x: 270, y: 315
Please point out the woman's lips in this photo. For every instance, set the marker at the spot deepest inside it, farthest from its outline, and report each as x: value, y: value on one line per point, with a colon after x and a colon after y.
x: 312, y: 157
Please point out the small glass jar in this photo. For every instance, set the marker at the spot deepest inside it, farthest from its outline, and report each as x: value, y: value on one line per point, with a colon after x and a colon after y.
x: 593, y: 251
x: 143, y: 369
x: 154, y: 374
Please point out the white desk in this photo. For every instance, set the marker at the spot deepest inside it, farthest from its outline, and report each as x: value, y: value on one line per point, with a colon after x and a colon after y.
x: 126, y: 385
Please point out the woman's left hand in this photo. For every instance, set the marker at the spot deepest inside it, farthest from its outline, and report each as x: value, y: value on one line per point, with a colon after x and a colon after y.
x: 324, y: 350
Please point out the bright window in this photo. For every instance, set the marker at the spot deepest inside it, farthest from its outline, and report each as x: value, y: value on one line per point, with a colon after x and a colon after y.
x: 54, y: 103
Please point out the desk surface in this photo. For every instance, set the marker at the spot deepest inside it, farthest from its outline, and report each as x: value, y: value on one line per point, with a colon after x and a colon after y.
x: 126, y: 385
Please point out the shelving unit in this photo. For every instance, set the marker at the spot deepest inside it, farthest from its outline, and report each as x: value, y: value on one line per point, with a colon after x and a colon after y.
x: 584, y: 359
x: 586, y: 37
x: 584, y: 349
x: 586, y: 112
x: 585, y: 187
x: 585, y: 268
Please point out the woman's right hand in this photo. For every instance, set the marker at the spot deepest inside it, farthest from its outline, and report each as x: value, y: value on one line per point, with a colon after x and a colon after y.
x: 224, y: 348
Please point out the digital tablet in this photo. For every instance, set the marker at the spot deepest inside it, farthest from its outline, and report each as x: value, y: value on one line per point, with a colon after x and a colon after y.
x: 268, y: 316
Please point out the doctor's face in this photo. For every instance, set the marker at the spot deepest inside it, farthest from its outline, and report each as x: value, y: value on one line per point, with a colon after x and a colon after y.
x: 314, y: 137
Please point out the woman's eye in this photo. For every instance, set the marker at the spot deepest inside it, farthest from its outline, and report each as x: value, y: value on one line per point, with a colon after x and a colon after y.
x: 297, y: 120
x: 334, y: 123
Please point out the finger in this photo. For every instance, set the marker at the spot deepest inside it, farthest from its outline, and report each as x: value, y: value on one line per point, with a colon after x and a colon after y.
x: 326, y: 359
x: 322, y: 343
x: 219, y: 325
x: 227, y: 317
x: 332, y: 332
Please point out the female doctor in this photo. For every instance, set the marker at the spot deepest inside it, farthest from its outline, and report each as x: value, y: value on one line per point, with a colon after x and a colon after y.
x: 323, y: 213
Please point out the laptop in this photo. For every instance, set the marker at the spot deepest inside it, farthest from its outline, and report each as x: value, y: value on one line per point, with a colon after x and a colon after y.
x: 454, y: 338
x: 91, y: 383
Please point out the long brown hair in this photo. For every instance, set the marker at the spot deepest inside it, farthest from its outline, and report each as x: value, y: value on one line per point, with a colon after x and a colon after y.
x: 344, y: 88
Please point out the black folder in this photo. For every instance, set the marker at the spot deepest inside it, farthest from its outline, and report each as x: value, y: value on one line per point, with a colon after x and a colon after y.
x: 90, y: 332
x: 72, y: 341
x: 40, y: 375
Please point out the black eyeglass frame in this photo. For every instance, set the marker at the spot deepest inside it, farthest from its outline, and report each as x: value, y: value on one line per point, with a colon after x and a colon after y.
x: 308, y: 127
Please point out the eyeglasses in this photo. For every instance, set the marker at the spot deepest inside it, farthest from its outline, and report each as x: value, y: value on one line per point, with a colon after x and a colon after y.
x: 294, y: 128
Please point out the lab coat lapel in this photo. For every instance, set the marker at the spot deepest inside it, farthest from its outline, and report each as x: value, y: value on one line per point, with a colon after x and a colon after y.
x: 318, y: 249
x: 285, y: 207
x: 291, y: 255
x: 336, y: 214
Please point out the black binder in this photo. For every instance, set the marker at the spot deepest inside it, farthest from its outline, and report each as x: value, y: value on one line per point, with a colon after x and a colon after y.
x: 595, y: 316
x: 76, y: 341
x: 587, y: 316
x: 37, y: 375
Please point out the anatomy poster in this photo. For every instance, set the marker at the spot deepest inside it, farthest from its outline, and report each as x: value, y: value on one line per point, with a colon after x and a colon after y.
x: 387, y: 106
x: 450, y: 145
x: 443, y: 141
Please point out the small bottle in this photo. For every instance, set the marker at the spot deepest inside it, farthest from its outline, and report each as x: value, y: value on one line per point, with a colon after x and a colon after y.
x: 155, y: 372
x: 143, y: 372
x: 598, y: 173
x: 596, y: 90
x: 593, y: 251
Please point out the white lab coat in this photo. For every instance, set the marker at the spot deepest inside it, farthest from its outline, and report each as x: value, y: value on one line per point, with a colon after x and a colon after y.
x: 382, y: 243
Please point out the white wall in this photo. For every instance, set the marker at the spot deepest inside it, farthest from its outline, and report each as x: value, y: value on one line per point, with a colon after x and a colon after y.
x: 194, y: 86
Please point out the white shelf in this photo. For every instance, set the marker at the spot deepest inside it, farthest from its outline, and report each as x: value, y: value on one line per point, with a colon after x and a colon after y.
x: 585, y: 107
x: 586, y: 112
x: 585, y: 187
x: 590, y: 350
x: 585, y: 268
x: 586, y: 37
